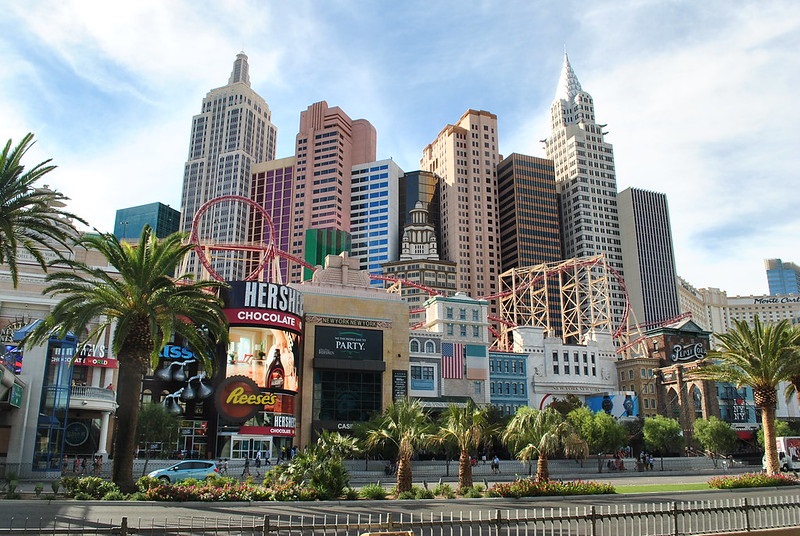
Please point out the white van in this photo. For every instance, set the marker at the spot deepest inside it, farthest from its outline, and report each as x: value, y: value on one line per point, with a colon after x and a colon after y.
x: 788, y: 454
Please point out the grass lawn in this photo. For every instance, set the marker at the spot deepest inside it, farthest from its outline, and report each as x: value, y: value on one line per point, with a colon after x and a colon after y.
x: 647, y: 488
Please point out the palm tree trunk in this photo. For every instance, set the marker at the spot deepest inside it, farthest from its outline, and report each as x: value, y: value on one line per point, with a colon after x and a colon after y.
x: 464, y: 470
x: 770, y: 450
x: 542, y: 470
x: 129, y: 388
x: 404, y: 477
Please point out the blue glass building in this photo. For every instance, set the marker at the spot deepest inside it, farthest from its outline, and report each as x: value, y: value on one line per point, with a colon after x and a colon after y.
x: 129, y: 222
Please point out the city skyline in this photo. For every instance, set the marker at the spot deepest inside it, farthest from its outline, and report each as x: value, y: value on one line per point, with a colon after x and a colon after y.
x: 688, y: 93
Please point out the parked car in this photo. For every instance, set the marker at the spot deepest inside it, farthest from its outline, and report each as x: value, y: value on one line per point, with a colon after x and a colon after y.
x: 197, y: 469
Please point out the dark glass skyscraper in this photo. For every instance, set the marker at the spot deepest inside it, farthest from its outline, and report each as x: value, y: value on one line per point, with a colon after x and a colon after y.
x: 530, y: 232
x: 648, y: 255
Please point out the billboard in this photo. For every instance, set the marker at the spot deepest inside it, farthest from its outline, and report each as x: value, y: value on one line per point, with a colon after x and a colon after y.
x: 265, y: 334
x: 331, y: 342
x: 619, y: 404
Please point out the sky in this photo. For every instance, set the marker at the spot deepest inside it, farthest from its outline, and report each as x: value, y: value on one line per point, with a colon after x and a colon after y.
x: 699, y: 97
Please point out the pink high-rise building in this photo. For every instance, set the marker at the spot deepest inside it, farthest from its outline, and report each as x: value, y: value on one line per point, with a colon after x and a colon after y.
x: 465, y: 157
x: 328, y: 145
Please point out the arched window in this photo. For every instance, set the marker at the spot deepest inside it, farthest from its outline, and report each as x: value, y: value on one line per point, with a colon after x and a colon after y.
x: 430, y: 348
x: 414, y: 345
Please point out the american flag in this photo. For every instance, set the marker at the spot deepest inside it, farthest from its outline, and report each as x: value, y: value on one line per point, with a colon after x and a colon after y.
x: 452, y: 360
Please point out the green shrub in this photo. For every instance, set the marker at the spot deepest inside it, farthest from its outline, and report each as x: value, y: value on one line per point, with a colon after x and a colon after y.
x: 444, y: 490
x: 137, y: 496
x: 89, y: 487
x: 752, y: 480
x: 423, y: 493
x: 404, y: 495
x: 147, y: 482
x: 529, y: 487
x: 472, y: 492
x: 115, y: 495
x: 351, y: 494
x: 373, y: 491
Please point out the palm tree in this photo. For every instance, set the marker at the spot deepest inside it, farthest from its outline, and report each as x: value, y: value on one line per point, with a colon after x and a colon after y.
x: 146, y: 306
x: 467, y: 426
x: 542, y: 433
x: 31, y: 218
x: 406, y: 425
x: 759, y: 357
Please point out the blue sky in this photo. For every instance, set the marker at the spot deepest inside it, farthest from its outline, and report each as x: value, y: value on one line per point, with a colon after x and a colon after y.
x: 699, y: 97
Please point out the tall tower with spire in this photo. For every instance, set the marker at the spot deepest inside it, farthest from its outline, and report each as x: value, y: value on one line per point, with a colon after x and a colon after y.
x: 585, y: 179
x: 232, y: 132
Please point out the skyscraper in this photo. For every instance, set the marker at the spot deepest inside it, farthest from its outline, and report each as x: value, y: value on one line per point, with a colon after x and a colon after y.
x: 129, y: 222
x: 416, y: 186
x: 272, y: 189
x: 419, y: 264
x: 782, y: 277
x: 585, y: 178
x: 530, y: 232
x: 374, y: 214
x: 327, y: 147
x: 231, y: 133
x: 648, y: 255
x: 465, y: 157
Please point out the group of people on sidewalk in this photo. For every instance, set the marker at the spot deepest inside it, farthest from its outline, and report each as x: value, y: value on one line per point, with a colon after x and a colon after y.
x: 80, y: 465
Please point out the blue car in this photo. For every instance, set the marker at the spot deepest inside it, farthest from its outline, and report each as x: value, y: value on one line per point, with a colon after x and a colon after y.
x: 197, y: 469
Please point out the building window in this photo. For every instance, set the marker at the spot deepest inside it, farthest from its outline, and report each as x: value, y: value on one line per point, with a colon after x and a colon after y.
x: 414, y: 346
x: 477, y: 387
x: 430, y: 348
x: 449, y: 313
x: 449, y: 329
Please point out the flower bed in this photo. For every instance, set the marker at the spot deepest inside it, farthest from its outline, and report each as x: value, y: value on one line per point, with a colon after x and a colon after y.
x: 752, y: 480
x: 530, y: 487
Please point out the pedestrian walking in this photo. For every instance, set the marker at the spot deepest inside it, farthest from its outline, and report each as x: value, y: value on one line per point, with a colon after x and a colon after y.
x: 267, y: 456
x: 246, y: 470
x: 64, y: 464
x: 76, y: 465
x: 258, y: 464
x: 496, y: 465
x: 83, y: 466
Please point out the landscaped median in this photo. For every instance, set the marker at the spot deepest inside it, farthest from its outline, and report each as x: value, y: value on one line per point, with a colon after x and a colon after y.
x: 218, y: 488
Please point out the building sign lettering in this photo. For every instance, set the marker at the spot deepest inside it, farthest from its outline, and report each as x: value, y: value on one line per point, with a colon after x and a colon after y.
x: 690, y: 351
x: 262, y: 304
x: 776, y: 299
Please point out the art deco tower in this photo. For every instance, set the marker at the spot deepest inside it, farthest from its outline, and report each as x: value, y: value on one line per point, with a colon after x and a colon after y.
x: 585, y: 179
x: 231, y: 133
